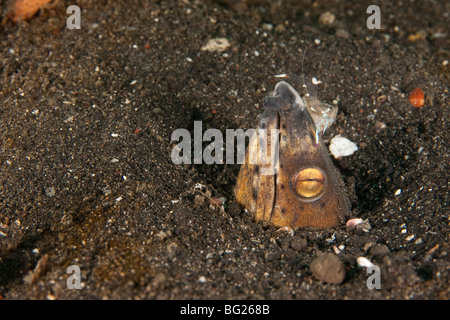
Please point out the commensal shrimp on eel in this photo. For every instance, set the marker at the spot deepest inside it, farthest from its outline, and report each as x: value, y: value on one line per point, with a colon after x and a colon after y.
x: 300, y: 187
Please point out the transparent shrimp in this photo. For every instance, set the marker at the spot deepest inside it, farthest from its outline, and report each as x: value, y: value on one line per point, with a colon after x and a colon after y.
x: 323, y: 114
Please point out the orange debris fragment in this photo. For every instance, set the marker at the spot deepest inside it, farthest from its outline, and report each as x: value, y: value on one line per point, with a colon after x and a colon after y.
x: 25, y: 9
x: 417, y: 97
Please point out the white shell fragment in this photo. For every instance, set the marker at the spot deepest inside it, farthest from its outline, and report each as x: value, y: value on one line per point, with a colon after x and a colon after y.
x: 288, y: 230
x: 327, y: 18
x: 342, y: 147
x: 364, y: 262
x: 216, y: 45
x: 330, y: 239
x: 354, y: 222
x: 361, y: 224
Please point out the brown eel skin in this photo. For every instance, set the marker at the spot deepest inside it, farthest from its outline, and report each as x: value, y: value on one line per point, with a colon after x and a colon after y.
x: 299, y: 187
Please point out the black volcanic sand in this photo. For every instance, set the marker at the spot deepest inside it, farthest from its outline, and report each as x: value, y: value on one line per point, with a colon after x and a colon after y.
x: 87, y: 178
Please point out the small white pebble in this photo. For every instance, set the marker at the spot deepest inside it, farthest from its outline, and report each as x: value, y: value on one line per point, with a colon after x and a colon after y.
x: 50, y: 192
x: 202, y: 279
x: 256, y: 53
x: 398, y: 192
x: 409, y: 238
x: 364, y: 262
x: 342, y: 147
x: 445, y: 62
x: 114, y: 160
x: 317, y: 41
x: 327, y: 18
x: 216, y: 44
x: 267, y: 26
x: 69, y: 119
x: 189, y: 59
x: 118, y: 199
x: 114, y: 135
x: 404, y: 231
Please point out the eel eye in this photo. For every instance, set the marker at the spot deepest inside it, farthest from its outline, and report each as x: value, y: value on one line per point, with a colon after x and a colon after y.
x: 309, y: 183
